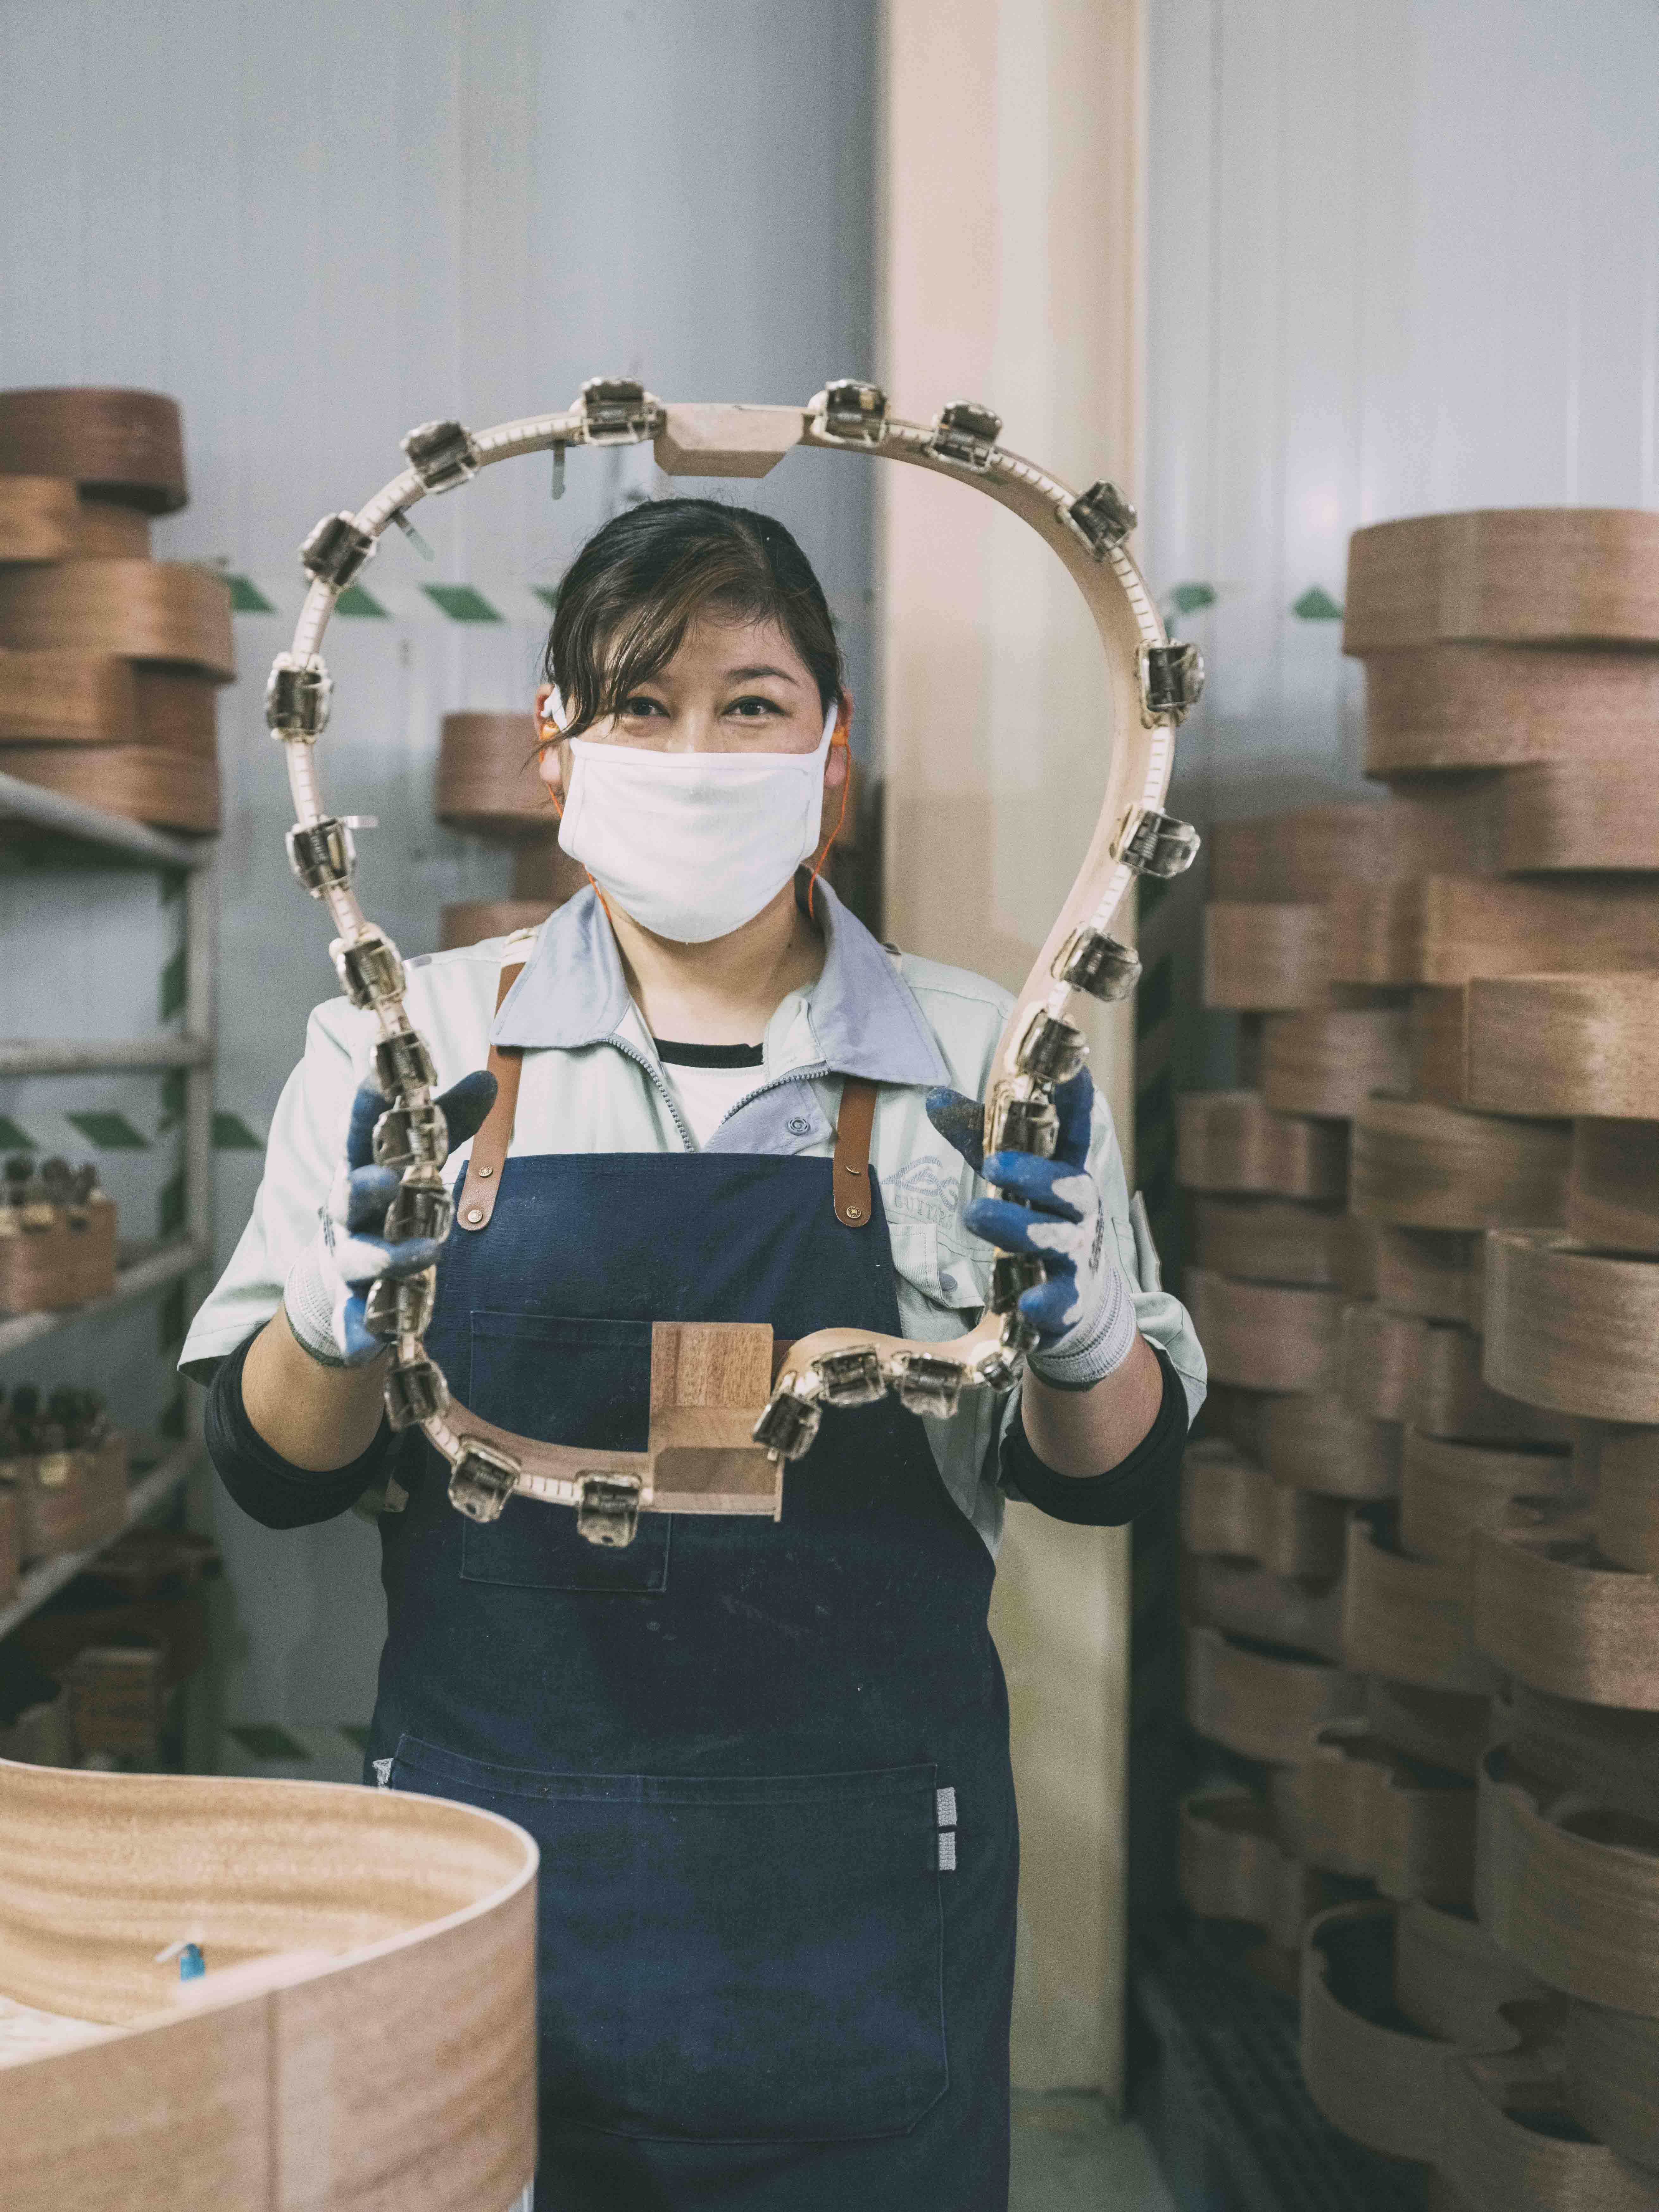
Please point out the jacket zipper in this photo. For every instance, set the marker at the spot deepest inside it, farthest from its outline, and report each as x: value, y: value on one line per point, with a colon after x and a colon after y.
x: 632, y: 1052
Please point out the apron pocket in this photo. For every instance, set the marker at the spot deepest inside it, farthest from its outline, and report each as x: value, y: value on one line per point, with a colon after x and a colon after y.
x: 563, y: 1382
x: 747, y: 1959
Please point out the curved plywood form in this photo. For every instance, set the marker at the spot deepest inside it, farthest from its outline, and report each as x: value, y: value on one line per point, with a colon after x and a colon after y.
x: 364, y: 2034
x: 1424, y: 2040
x: 693, y: 1463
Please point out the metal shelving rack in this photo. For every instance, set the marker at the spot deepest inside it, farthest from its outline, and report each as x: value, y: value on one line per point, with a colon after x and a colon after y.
x: 143, y: 1269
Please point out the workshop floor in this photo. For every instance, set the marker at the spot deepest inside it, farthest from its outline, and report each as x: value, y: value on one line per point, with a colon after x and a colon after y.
x: 1071, y: 2155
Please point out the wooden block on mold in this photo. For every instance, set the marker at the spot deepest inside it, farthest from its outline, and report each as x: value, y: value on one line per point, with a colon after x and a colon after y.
x: 1317, y: 1441
x: 1409, y: 1620
x: 1245, y: 1600
x: 1373, y: 1814
x: 720, y: 440
x: 488, y: 777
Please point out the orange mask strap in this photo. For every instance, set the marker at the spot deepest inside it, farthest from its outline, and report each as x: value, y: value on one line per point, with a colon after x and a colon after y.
x: 843, y: 723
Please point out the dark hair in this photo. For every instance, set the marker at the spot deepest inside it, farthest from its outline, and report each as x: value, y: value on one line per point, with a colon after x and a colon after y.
x: 636, y: 586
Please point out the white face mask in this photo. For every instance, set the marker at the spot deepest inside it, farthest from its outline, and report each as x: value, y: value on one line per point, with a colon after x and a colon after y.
x: 691, y: 845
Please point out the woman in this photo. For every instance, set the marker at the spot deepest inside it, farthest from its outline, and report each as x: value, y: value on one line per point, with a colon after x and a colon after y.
x: 767, y: 1763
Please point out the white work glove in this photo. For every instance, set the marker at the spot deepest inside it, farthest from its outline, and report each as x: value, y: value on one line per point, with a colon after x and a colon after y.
x: 1085, y: 1311
x: 328, y: 1285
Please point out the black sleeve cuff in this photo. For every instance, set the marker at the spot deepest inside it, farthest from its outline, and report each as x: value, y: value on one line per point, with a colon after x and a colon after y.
x: 265, y: 1485
x: 1109, y: 1500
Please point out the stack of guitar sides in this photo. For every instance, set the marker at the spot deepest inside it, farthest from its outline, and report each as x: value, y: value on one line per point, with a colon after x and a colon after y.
x: 488, y: 783
x: 1422, y: 1581
x: 109, y: 660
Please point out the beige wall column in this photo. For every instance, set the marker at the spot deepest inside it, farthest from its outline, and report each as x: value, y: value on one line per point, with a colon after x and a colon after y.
x: 1010, y: 223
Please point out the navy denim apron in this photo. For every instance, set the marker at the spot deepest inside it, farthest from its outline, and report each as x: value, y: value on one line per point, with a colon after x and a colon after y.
x: 767, y: 1763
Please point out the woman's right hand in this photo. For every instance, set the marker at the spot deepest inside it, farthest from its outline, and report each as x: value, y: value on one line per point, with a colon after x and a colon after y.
x: 328, y: 1285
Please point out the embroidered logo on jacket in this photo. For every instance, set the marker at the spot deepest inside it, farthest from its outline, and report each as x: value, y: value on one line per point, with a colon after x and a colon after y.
x: 923, y: 1190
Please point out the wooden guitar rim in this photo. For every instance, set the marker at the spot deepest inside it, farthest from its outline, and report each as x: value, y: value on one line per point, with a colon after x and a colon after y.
x: 1459, y: 2105
x: 1317, y: 1441
x: 1436, y: 1273
x: 1602, y: 1755
x: 1376, y: 1814
x: 1400, y: 1367
x: 1303, y: 853
x: 1446, y: 929
x: 1613, y: 1184
x: 1449, y: 1489
x: 144, y: 610
x: 45, y: 519
x: 1423, y: 1166
x: 1436, y: 1056
x: 1571, y: 1328
x: 368, y: 2014
x: 1550, y: 1607
x: 1272, y: 1240
x: 1517, y: 575
x: 488, y: 778
x: 1326, y: 1063
x: 1570, y: 1889
x: 1564, y: 1044
x: 1262, y: 1704
x: 1266, y: 1336
x: 1228, y: 1141
x: 1585, y: 814
x: 1446, y: 1728
x: 470, y: 921
x: 62, y: 697
x: 1262, y: 958
x: 1610, y: 2080
x: 1473, y: 707
x: 1627, y: 1499
x: 1232, y: 1864
x: 1246, y: 1601
x: 125, y: 446
x: 172, y: 791
x: 1149, y: 689
x: 1231, y: 1507
x: 1406, y: 1619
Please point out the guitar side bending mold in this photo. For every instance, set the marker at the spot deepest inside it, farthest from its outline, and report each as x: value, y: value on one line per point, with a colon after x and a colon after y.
x: 696, y: 1451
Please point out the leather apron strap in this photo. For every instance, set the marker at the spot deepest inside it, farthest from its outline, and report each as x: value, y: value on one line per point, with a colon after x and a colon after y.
x: 854, y: 1127
x: 483, y: 1170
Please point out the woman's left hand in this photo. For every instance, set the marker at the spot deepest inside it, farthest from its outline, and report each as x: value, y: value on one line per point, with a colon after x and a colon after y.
x: 1055, y: 1209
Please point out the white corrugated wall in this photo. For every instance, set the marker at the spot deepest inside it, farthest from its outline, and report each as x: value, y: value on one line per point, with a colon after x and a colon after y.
x: 1404, y: 256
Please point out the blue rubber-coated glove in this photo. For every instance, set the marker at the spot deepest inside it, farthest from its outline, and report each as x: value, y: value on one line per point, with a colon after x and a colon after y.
x: 1085, y: 1311
x: 329, y: 1283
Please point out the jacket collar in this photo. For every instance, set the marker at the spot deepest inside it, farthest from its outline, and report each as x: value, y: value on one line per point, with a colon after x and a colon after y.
x: 860, y: 1016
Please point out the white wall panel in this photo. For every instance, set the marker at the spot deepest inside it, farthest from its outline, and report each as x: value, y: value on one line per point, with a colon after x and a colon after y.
x: 1405, y: 256
x: 317, y: 225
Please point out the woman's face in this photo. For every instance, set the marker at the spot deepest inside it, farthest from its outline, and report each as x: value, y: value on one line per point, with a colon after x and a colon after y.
x: 732, y: 687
